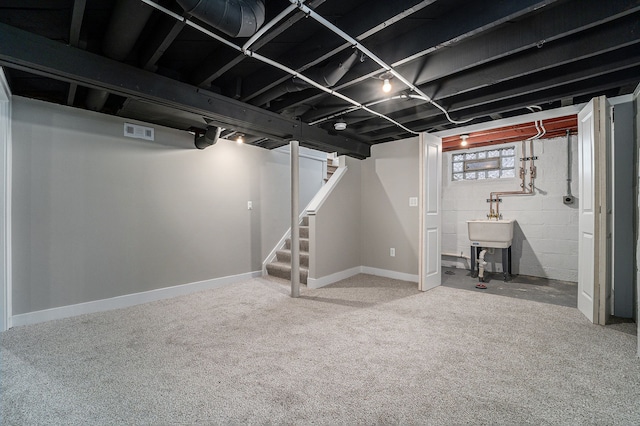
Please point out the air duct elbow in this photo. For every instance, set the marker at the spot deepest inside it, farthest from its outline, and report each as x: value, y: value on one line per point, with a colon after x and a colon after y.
x: 209, y: 138
x: 333, y: 72
x: 236, y: 18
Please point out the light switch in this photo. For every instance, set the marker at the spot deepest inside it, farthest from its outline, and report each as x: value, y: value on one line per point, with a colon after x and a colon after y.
x: 413, y: 201
x: 249, y: 205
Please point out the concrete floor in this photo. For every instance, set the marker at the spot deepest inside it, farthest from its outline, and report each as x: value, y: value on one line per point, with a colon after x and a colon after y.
x: 555, y: 292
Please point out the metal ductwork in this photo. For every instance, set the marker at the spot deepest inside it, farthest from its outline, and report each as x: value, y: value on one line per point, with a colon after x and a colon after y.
x: 127, y: 22
x: 209, y: 138
x: 328, y: 76
x: 236, y: 18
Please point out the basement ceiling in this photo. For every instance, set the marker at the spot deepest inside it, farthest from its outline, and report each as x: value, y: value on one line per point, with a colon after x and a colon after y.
x: 163, y: 62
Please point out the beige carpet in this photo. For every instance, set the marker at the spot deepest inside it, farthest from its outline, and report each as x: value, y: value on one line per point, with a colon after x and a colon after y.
x: 367, y: 350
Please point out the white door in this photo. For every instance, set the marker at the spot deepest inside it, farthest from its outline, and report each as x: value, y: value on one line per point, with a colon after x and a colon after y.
x: 430, y: 222
x: 593, y: 209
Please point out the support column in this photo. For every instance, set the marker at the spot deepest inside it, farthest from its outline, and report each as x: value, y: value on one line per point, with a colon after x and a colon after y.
x: 295, y: 221
x: 5, y: 203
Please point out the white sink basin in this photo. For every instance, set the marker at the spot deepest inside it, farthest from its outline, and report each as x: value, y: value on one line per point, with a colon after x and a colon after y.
x: 491, y: 233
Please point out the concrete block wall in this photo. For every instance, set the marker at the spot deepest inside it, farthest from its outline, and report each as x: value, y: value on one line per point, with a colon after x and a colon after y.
x: 546, y: 230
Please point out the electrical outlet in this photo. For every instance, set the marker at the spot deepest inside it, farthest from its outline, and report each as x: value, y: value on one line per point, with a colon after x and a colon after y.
x: 392, y: 252
x: 249, y: 205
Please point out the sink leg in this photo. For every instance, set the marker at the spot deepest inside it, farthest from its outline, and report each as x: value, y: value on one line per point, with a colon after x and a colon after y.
x: 474, y: 256
x: 506, y: 263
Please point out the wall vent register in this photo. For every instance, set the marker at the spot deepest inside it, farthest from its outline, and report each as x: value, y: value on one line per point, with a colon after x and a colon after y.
x: 482, y: 165
x: 138, y: 132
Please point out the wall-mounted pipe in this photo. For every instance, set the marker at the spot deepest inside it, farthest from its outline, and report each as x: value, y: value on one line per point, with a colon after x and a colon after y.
x: 568, y: 199
x: 461, y: 255
x: 236, y: 18
x: 525, y: 189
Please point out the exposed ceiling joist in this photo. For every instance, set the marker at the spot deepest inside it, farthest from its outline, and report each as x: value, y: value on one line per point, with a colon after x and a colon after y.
x: 432, y: 37
x: 614, y: 66
x: 459, y: 60
x: 564, y: 51
x: 554, y: 127
x: 211, y: 69
x: 588, y: 89
x: 29, y: 52
x: 74, y: 39
x: 539, y: 29
x: 162, y: 39
x: 372, y: 18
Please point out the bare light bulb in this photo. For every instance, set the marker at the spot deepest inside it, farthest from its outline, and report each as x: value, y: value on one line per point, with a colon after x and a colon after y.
x: 464, y: 140
x: 240, y: 139
x: 386, y: 86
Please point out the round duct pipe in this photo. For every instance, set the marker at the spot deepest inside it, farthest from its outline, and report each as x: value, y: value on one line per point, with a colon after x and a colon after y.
x: 125, y: 25
x: 328, y: 76
x: 236, y: 18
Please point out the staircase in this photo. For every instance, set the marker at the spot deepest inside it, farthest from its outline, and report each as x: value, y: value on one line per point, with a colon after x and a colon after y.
x: 281, y: 267
x: 330, y: 171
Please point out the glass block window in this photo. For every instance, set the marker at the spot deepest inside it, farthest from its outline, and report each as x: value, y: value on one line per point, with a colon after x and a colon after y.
x: 483, y: 165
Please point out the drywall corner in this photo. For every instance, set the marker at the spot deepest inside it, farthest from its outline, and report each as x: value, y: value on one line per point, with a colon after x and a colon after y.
x: 390, y: 220
x: 337, y: 225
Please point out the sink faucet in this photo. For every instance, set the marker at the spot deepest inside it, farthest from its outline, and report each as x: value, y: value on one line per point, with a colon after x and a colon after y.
x: 492, y: 215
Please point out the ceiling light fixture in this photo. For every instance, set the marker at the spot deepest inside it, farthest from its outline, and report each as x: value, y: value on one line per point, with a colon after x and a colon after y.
x: 240, y: 138
x: 464, y: 140
x: 386, y: 86
x: 340, y: 125
x: 386, y: 78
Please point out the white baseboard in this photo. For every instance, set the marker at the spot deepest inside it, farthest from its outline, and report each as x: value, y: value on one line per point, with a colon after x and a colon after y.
x: 127, y: 300
x: 402, y: 276
x: 330, y: 279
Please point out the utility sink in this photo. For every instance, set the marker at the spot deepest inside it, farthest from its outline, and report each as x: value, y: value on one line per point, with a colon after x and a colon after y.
x: 491, y: 233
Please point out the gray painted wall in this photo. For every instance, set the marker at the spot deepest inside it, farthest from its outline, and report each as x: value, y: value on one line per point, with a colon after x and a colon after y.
x: 389, y: 177
x: 338, y: 230
x: 97, y: 215
x: 623, y: 263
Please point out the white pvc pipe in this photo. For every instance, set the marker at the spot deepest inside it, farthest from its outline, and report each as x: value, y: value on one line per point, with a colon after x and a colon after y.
x: 275, y: 64
x: 462, y: 256
x: 481, y: 264
x: 375, y: 58
x: 327, y: 90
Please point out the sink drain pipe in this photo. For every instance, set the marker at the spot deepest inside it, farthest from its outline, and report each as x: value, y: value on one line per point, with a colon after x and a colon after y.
x: 481, y: 264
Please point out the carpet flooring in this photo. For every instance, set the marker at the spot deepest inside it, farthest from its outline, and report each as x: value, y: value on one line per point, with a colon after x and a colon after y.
x: 366, y: 350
